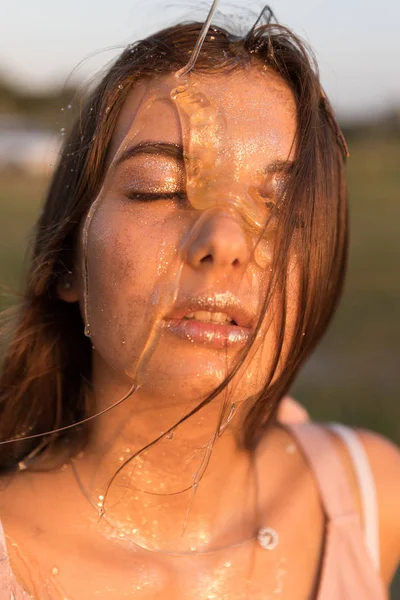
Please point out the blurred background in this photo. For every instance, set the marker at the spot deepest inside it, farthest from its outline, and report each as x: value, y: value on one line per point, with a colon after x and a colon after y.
x: 50, y: 50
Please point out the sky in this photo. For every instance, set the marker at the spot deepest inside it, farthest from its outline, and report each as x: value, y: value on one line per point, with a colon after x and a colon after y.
x: 357, y: 43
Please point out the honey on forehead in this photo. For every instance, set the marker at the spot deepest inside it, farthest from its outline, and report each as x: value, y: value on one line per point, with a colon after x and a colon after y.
x: 212, y: 179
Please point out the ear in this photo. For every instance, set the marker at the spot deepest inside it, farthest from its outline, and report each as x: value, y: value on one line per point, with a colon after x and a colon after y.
x: 67, y: 287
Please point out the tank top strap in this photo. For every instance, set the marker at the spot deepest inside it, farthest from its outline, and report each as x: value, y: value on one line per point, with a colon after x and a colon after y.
x: 3, y: 547
x: 10, y: 589
x: 366, y: 486
x: 321, y: 454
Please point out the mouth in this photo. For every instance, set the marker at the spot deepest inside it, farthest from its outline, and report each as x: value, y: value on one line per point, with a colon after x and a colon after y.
x: 219, y: 320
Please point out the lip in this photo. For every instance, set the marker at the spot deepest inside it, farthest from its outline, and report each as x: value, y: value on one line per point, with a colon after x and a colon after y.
x: 213, y: 334
x: 218, y: 336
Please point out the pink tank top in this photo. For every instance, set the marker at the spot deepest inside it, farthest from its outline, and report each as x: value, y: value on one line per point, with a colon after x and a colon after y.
x: 350, y: 561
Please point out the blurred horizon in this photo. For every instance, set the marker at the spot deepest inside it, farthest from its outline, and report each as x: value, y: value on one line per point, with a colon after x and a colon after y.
x: 357, y: 50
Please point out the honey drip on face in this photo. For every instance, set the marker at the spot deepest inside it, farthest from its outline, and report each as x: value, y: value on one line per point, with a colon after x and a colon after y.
x: 211, y: 187
x: 210, y: 182
x: 165, y: 291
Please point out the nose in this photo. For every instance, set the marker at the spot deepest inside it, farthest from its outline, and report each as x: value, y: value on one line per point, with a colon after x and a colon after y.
x: 218, y: 240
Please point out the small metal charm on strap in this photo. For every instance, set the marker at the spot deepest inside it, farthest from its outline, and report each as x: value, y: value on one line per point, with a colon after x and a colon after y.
x: 267, y: 538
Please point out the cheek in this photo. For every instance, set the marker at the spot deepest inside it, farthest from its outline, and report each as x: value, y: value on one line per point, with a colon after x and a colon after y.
x: 121, y: 250
x: 129, y: 251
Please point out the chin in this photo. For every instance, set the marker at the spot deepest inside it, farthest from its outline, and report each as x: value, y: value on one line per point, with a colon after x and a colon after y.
x: 186, y: 381
x: 190, y: 380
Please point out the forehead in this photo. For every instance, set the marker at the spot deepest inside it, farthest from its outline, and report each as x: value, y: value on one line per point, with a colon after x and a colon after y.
x: 258, y: 108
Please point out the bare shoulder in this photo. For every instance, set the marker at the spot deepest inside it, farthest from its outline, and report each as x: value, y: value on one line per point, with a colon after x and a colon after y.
x: 384, y: 458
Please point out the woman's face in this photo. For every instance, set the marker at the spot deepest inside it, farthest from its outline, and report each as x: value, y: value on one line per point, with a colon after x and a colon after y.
x: 175, y: 282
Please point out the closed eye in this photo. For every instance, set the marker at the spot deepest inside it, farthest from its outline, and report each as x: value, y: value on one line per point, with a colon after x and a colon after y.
x: 153, y: 197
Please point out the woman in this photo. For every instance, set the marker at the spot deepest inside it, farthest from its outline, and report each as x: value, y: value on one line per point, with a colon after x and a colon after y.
x: 189, y: 257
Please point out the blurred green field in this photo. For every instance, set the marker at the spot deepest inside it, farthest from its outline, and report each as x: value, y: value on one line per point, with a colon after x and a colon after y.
x: 354, y: 375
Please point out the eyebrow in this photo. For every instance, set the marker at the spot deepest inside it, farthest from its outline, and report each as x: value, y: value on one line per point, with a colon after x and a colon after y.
x: 152, y: 147
x: 176, y: 151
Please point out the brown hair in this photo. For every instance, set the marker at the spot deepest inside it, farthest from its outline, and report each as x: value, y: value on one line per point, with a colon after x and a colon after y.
x: 46, y: 368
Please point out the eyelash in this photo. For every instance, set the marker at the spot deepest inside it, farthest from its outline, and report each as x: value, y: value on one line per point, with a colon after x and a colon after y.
x: 150, y: 197
x: 181, y: 196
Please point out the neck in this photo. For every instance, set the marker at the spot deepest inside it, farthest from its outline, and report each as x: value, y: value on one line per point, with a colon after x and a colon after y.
x: 174, y: 492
